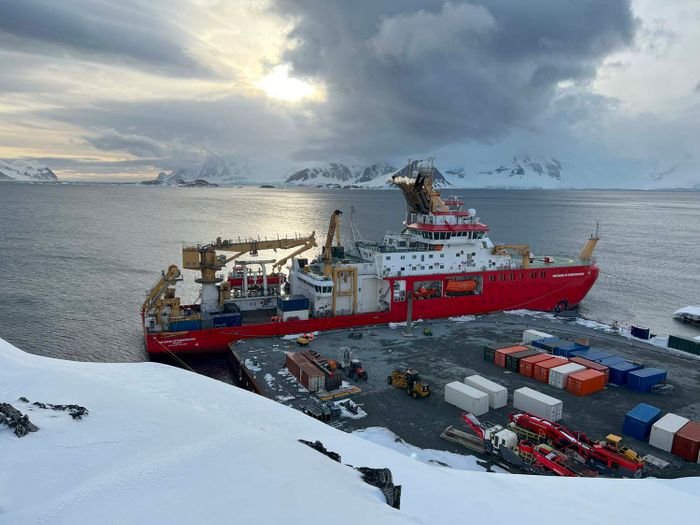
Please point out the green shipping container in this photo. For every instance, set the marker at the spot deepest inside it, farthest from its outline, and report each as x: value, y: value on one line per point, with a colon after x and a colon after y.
x: 681, y: 343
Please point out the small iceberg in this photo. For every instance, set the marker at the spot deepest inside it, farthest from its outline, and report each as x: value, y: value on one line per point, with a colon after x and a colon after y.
x: 689, y: 314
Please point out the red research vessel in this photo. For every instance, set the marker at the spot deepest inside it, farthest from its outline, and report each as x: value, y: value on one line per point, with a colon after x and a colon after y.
x: 442, y: 264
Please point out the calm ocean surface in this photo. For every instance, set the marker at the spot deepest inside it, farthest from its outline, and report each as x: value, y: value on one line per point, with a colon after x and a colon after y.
x: 76, y: 260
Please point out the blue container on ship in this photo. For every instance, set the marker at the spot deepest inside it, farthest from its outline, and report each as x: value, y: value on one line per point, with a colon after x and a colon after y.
x: 226, y: 320
x: 292, y: 303
x: 618, y: 372
x: 185, y: 325
x: 639, y: 420
x: 642, y: 380
x: 566, y: 349
x: 548, y: 344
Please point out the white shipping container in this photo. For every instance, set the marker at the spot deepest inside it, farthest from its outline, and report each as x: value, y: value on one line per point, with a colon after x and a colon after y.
x: 538, y: 404
x: 560, y: 375
x: 533, y: 335
x: 663, y: 431
x: 298, y: 314
x: 498, y: 395
x: 467, y: 398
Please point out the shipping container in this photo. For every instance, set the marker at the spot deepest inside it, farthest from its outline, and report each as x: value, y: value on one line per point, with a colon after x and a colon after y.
x: 490, y: 350
x: 185, y: 325
x: 498, y: 395
x: 534, y: 335
x: 225, y: 320
x: 593, y: 354
x: 639, y: 420
x: 619, y: 371
x: 684, y: 343
x: 311, y: 377
x: 292, y: 302
x: 467, y: 398
x: 611, y: 360
x: 592, y: 365
x: 513, y: 360
x: 548, y: 344
x: 565, y: 348
x: 586, y: 382
x: 333, y: 380
x: 686, y: 442
x: 643, y: 379
x: 664, y: 430
x: 538, y: 404
x: 640, y: 332
x: 501, y: 353
x: 295, y: 315
x: 527, y: 364
x: 559, y: 375
x: 541, y: 370
x: 292, y: 361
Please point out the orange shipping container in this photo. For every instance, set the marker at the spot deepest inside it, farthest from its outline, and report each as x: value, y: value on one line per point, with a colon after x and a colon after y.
x: 527, y: 364
x: 585, y: 382
x: 541, y: 369
x: 501, y: 353
x: 592, y: 365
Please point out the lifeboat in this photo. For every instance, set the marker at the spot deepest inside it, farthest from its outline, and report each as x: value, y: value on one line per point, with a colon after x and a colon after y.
x: 455, y: 286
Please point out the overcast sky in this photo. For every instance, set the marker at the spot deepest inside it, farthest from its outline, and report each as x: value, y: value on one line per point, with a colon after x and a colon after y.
x: 121, y: 90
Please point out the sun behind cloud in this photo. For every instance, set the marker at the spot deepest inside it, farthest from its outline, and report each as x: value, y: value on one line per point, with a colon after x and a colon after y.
x: 280, y: 85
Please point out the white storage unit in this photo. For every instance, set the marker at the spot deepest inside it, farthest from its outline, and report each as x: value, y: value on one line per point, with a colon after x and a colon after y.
x: 559, y: 376
x: 467, y: 398
x: 663, y: 431
x: 533, y: 335
x: 498, y: 395
x: 538, y: 404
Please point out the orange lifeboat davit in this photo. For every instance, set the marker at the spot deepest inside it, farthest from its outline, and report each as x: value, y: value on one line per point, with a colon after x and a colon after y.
x: 457, y: 286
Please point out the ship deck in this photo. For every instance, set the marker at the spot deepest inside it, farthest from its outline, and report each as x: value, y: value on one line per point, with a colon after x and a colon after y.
x: 455, y: 351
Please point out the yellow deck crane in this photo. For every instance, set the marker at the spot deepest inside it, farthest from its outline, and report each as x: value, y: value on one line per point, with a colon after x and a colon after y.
x: 344, y: 277
x: 522, y: 249
x: 587, y: 252
x: 333, y: 230
x: 166, y: 281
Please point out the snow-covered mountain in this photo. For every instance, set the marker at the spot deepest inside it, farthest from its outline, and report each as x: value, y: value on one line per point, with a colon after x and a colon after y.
x: 214, y: 170
x: 525, y: 167
x: 334, y: 175
x: 25, y: 171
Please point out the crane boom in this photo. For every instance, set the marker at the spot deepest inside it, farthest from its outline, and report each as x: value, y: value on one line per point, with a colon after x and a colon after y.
x: 168, y: 278
x: 522, y: 249
x: 333, y: 231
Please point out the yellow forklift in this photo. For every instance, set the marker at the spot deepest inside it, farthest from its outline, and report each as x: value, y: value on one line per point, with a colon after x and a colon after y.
x: 410, y: 381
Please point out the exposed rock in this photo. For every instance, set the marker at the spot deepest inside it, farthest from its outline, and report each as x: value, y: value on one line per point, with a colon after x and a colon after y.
x: 17, y: 421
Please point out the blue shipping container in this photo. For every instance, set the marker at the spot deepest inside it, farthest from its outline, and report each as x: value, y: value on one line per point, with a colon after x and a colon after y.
x: 618, y: 372
x: 566, y: 349
x: 183, y: 326
x: 639, y: 420
x: 546, y: 344
x: 642, y: 380
x: 607, y: 361
x: 293, y: 303
x: 639, y: 332
x: 592, y: 354
x: 224, y: 320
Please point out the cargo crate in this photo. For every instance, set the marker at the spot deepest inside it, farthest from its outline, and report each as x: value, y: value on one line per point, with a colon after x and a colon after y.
x: 639, y: 420
x: 643, y: 379
x: 585, y: 382
x: 686, y: 442
x: 541, y: 369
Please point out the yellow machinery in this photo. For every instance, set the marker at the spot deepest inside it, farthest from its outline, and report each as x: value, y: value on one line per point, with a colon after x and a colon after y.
x: 163, y: 288
x: 333, y: 230
x: 614, y: 442
x: 587, y: 252
x: 522, y: 249
x: 410, y: 381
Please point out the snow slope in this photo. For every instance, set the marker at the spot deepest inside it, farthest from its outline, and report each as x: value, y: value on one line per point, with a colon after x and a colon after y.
x: 214, y: 170
x: 25, y: 171
x: 162, y: 445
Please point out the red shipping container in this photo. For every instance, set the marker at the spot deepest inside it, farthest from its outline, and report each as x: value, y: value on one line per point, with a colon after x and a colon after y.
x: 293, y: 361
x: 527, y: 364
x: 541, y: 369
x: 311, y: 377
x: 686, y: 442
x: 501, y: 353
x: 585, y: 382
x: 592, y: 365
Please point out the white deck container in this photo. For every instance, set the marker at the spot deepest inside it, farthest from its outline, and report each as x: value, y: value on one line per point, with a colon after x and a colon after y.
x: 498, y: 395
x: 533, y: 335
x: 663, y: 431
x: 560, y: 375
x: 467, y: 398
x: 538, y: 404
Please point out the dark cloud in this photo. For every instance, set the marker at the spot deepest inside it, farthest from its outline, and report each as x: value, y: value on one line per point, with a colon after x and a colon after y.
x: 130, y: 30
x: 137, y: 145
x: 408, y: 76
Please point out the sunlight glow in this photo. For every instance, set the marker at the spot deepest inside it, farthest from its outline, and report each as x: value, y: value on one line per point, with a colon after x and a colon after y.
x: 278, y: 84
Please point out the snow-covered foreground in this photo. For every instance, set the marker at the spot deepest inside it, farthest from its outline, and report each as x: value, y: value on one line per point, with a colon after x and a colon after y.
x: 162, y: 445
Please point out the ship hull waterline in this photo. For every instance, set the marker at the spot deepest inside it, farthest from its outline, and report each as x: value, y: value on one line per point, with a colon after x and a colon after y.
x: 511, y: 290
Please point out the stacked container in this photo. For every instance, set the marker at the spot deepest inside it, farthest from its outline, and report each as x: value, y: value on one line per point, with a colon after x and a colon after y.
x: 619, y: 371
x: 592, y: 354
x: 311, y: 377
x: 501, y: 353
x: 639, y: 420
x: 686, y: 442
x: 611, y: 360
x: 586, y: 382
x: 490, y: 350
x: 527, y: 364
x: 467, y: 398
x: 534, y: 335
x: 541, y: 370
x: 548, y: 344
x: 643, y: 379
x: 664, y: 431
x: 538, y: 404
x: 592, y: 365
x: 293, y: 361
x: 513, y: 360
x: 559, y: 375
x: 498, y: 395
x: 564, y: 349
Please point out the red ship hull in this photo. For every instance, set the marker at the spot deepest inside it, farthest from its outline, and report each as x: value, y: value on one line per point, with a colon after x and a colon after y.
x: 543, y: 289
